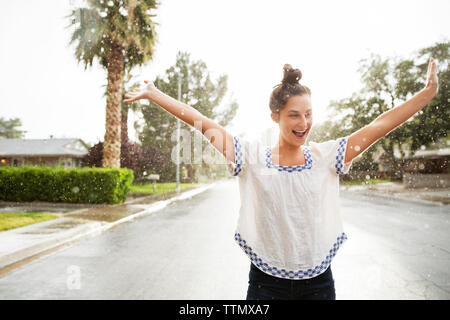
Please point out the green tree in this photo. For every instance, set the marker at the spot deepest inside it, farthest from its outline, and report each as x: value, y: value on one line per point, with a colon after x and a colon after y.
x: 432, y: 123
x: 9, y: 128
x: 121, y: 35
x: 388, y: 83
x: 199, y: 91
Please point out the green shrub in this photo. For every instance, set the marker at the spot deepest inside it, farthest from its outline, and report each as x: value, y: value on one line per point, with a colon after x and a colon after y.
x: 85, y: 185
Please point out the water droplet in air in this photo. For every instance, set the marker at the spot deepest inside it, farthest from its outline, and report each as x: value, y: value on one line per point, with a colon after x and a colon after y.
x: 357, y: 148
x: 367, y: 177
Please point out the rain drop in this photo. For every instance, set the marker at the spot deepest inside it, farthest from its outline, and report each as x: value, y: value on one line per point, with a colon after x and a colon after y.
x: 357, y: 148
x: 367, y: 177
x: 75, y: 189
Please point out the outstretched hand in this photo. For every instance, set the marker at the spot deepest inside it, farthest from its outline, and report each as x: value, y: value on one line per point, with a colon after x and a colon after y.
x: 432, y: 77
x: 138, y: 94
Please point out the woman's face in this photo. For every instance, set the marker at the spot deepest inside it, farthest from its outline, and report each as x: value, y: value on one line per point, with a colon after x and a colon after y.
x: 295, y: 119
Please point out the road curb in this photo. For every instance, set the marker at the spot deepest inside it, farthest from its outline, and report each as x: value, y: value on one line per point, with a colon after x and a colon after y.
x: 87, y: 229
x: 45, y: 245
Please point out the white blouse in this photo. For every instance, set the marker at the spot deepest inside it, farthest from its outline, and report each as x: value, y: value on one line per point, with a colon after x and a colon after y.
x: 289, y: 223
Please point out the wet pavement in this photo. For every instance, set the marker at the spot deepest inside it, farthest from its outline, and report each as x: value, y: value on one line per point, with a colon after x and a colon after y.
x: 183, y: 248
x: 171, y: 254
x: 58, y: 208
x: 397, y: 190
x: 397, y: 249
x: 76, y: 222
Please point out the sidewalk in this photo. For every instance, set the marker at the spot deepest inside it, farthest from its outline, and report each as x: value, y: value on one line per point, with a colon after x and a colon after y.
x: 397, y: 190
x: 22, y: 245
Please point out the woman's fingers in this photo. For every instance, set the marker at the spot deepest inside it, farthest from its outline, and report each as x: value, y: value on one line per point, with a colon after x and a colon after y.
x: 432, y: 69
x: 135, y: 94
x: 432, y: 76
x: 433, y: 65
x: 131, y: 97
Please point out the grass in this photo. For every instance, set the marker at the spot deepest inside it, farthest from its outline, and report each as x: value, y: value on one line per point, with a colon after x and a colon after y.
x: 364, y: 181
x: 161, y: 187
x: 11, y: 220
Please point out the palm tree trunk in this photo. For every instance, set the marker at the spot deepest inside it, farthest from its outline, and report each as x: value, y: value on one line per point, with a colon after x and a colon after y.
x: 124, y: 124
x: 111, y: 147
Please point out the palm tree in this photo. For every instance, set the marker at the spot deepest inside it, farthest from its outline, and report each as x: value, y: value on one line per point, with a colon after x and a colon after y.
x: 121, y: 35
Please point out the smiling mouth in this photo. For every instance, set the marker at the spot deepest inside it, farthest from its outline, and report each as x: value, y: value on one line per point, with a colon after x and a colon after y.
x: 299, y: 134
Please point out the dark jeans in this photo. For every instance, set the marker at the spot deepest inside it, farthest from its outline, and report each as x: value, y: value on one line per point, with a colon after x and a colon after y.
x: 263, y: 286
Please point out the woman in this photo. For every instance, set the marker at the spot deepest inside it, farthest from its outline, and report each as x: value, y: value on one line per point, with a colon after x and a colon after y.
x: 289, y: 223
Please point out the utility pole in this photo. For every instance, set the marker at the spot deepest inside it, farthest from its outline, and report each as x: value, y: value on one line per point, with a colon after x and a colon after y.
x: 178, y: 138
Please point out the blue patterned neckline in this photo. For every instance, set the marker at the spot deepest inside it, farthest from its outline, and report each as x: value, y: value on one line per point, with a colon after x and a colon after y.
x: 307, y: 165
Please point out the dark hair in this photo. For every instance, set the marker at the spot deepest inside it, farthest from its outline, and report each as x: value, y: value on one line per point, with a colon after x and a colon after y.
x: 288, y: 87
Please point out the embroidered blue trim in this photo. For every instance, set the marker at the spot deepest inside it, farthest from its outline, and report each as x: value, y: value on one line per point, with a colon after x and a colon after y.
x: 290, y: 274
x: 340, y: 158
x: 307, y: 165
x: 238, y: 158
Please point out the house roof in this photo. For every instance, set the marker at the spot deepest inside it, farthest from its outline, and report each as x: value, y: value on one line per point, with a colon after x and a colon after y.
x: 432, y: 153
x: 43, y: 147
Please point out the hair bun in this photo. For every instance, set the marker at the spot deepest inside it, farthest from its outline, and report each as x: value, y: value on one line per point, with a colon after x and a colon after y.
x: 291, y: 75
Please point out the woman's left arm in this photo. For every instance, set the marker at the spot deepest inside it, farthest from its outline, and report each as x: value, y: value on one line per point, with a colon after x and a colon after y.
x: 389, y: 120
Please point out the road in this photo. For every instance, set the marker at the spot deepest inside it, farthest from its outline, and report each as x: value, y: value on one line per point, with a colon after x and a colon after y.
x: 396, y: 250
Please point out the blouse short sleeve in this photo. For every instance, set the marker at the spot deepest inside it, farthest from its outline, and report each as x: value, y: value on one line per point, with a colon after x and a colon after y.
x: 241, y: 157
x: 332, y: 152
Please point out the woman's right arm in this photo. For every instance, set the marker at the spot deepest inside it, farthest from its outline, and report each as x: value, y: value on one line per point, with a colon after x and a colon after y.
x: 216, y: 135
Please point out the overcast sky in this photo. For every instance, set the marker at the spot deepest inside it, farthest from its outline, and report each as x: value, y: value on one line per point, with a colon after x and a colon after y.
x: 42, y: 84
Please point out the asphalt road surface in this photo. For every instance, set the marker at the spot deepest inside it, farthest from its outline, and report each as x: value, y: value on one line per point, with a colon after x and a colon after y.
x: 395, y: 250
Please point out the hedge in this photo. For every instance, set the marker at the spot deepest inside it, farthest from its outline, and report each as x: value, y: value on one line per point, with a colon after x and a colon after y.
x: 77, y: 185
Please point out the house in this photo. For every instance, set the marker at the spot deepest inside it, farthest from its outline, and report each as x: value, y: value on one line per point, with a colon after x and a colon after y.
x: 421, y: 161
x: 428, y: 169
x: 430, y: 161
x: 42, y: 152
